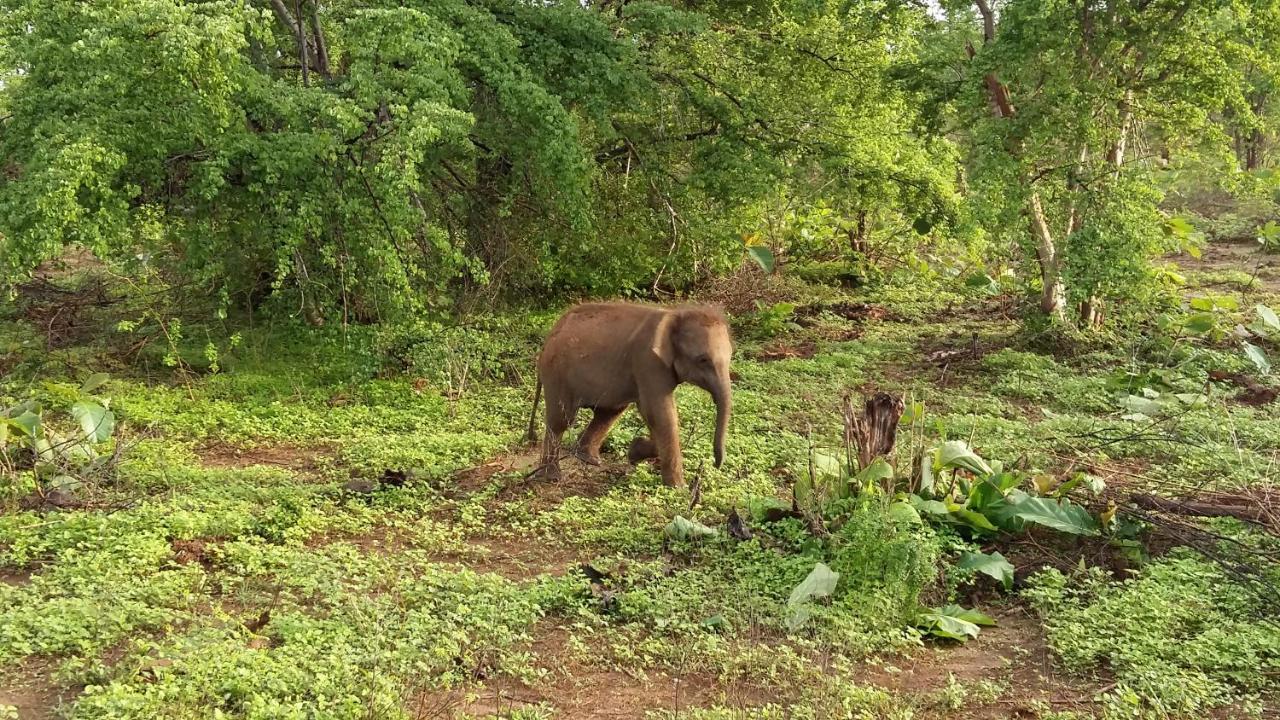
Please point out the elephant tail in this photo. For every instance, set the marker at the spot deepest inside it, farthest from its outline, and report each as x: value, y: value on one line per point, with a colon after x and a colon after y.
x: 530, y: 436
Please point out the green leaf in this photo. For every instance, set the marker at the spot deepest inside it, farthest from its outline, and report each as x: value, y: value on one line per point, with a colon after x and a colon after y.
x: 93, y: 382
x: 28, y: 423
x: 1258, y: 358
x: 763, y: 257
x: 1200, y: 323
x: 956, y: 454
x: 912, y: 412
x: 1179, y: 227
x: 878, y: 471
x: 993, y: 565
x: 973, y: 616
x: 904, y: 513
x: 1141, y: 405
x: 1094, y: 484
x: 1268, y: 317
x: 825, y: 465
x: 819, y: 583
x: 953, y: 622
x: 975, y: 519
x: 927, y: 479
x: 682, y: 529
x: 932, y: 507
x: 1062, y: 515
x: 96, y: 421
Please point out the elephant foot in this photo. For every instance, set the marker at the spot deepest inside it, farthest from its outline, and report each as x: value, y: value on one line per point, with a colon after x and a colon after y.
x: 587, y: 456
x: 642, y: 448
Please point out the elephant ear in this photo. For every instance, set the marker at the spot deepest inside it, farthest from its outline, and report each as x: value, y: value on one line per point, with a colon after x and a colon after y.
x: 664, y: 340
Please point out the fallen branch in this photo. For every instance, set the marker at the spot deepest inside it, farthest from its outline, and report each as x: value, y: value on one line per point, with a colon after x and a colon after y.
x: 1249, y: 513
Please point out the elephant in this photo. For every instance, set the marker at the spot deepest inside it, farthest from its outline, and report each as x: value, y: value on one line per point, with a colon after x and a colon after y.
x: 606, y: 356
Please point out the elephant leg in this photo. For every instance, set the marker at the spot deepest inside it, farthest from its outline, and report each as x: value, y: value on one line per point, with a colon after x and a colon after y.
x: 664, y: 428
x: 560, y: 413
x: 588, y: 449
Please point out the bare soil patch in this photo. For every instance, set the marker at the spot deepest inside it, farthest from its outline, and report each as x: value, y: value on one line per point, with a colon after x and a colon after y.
x: 1014, y: 654
x: 301, y: 460
x: 29, y: 688
x: 517, y: 559
x: 577, y: 478
x: 16, y: 578
x: 581, y: 691
x: 781, y: 349
x: 1245, y: 257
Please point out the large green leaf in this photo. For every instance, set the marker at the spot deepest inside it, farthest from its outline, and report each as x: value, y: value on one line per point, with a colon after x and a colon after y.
x: 1268, y: 317
x: 932, y: 507
x: 993, y: 565
x: 953, y: 622
x: 825, y: 465
x: 681, y: 528
x: 904, y: 512
x: 1141, y: 405
x: 819, y: 583
x: 1062, y: 515
x: 1258, y: 358
x: 93, y: 382
x: 879, y: 470
x: 96, y: 421
x: 974, y: 519
x: 956, y: 454
x: 1200, y: 323
x: 763, y: 257
x: 27, y: 423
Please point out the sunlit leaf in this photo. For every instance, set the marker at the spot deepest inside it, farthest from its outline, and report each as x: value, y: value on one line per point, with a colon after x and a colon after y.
x: 96, y: 421
x: 1258, y: 357
x: 1062, y: 515
x: 1268, y: 317
x: 994, y: 565
x: 819, y: 583
x: 956, y: 454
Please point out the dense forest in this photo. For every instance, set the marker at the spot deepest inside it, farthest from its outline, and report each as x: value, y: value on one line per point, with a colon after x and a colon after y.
x: 280, y: 281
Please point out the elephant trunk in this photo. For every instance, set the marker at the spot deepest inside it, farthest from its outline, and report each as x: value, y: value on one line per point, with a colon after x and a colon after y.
x: 724, y: 404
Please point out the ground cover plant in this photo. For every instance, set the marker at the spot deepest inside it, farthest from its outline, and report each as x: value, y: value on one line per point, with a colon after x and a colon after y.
x: 326, y: 528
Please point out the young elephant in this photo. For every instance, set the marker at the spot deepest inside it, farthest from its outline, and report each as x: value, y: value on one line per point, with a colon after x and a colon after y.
x: 605, y: 356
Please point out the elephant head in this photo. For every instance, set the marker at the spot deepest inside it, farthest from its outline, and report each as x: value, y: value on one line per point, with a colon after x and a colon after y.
x: 700, y: 349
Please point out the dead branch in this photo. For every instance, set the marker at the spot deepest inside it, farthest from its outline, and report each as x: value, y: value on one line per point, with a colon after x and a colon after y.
x: 1249, y: 513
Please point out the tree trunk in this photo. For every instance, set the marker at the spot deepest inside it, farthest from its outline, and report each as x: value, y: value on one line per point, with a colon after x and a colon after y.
x: 858, y: 234
x: 322, y: 47
x: 1053, y: 293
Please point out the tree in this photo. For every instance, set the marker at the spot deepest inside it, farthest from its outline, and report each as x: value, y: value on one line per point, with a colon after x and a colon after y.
x: 1059, y: 95
x: 366, y: 159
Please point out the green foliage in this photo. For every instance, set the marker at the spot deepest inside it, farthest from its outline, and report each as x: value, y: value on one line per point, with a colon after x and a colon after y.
x: 953, y: 622
x: 958, y: 487
x: 60, y: 455
x: 1180, y: 638
x: 388, y: 156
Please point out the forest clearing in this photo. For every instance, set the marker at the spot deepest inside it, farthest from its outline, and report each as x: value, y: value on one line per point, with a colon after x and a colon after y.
x: 996, y: 435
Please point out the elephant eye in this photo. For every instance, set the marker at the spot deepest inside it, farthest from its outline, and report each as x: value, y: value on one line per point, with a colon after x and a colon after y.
x: 704, y: 359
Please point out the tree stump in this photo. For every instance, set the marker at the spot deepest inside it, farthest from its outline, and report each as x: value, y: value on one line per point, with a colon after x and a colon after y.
x: 873, y: 432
